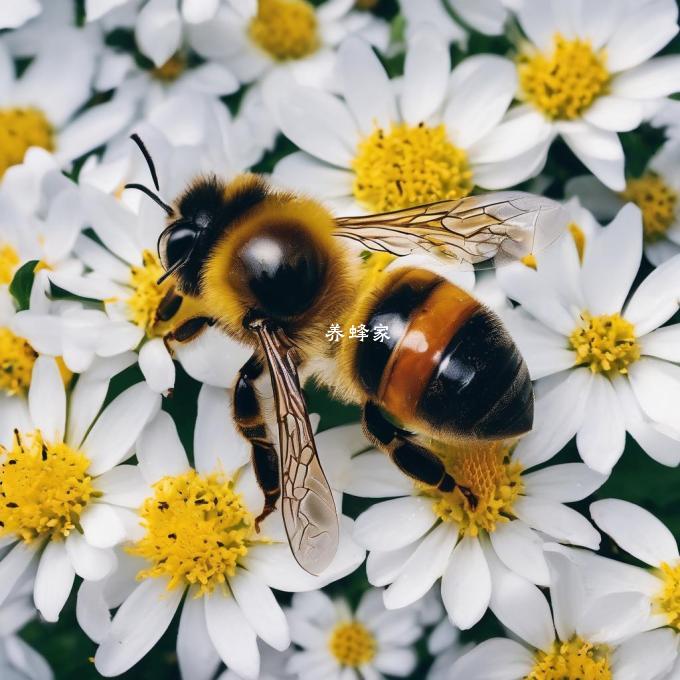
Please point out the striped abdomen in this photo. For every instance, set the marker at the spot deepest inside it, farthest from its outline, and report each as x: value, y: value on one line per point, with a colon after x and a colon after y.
x: 448, y: 362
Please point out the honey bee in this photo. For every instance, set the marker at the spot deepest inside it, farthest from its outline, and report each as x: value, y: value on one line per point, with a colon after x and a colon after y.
x: 273, y: 271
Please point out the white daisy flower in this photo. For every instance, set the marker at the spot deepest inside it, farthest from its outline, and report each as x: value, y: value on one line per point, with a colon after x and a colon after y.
x: 487, y: 17
x: 294, y: 36
x: 580, y: 640
x: 487, y: 556
x: 656, y: 590
x: 380, y: 149
x: 42, y: 107
x: 338, y: 643
x: 123, y: 273
x: 18, y: 660
x: 63, y: 505
x: 590, y: 354
x: 224, y: 566
x: 586, y: 74
x: 656, y: 192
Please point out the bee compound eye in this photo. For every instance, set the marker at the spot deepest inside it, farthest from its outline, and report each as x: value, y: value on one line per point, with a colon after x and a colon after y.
x: 176, y: 245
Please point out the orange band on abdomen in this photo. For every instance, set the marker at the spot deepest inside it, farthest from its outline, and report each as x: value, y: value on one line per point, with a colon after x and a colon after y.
x: 419, y: 351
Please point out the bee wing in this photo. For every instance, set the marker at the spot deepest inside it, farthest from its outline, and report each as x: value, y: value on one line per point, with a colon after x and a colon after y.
x: 307, y: 504
x: 492, y: 228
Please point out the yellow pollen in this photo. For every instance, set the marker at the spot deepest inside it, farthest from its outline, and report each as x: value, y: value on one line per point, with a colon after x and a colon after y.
x: 171, y: 69
x: 407, y: 166
x: 668, y: 600
x: 20, y: 129
x: 573, y: 660
x: 197, y: 530
x: 9, y: 260
x: 487, y: 469
x: 656, y: 200
x: 285, y: 29
x: 16, y: 363
x: 565, y: 83
x: 579, y: 239
x: 45, y: 488
x: 351, y: 644
x: 147, y: 295
x: 606, y: 343
x: 529, y: 261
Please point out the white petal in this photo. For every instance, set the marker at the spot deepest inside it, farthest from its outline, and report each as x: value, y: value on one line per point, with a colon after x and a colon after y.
x: 260, y: 608
x: 90, y: 563
x: 373, y: 475
x: 157, y: 366
x: 480, y: 95
x: 520, y: 606
x: 423, y: 568
x: 158, y: 30
x: 506, y: 173
x: 159, y: 450
x: 599, y: 150
x: 426, y: 72
x: 14, y: 565
x: 366, y: 87
x: 466, y: 584
x: 496, y: 659
x: 92, y: 610
x: 656, y: 385
x: 539, y: 22
x: 395, y: 662
x: 614, y: 113
x: 558, y: 521
x: 197, y: 11
x: 196, y: 654
x: 557, y: 417
x: 123, y: 485
x: 646, y: 656
x: 234, y: 639
x: 636, y: 531
x: 606, y: 294
x: 601, y: 440
x: 567, y: 592
x: 137, y: 626
x: 395, y: 523
x: 47, y: 399
x: 217, y: 445
x: 383, y: 567
x: 102, y: 526
x: 300, y: 171
x: 657, y: 78
x: 53, y: 580
x: 115, y: 431
x: 521, y: 550
x: 643, y: 31
x: 566, y: 483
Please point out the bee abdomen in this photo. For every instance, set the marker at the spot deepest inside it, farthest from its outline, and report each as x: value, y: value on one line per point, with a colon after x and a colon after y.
x: 449, y: 361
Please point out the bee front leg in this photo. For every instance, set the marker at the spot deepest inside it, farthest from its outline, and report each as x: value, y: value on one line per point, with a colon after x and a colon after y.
x: 412, y: 459
x: 188, y: 330
x: 250, y: 422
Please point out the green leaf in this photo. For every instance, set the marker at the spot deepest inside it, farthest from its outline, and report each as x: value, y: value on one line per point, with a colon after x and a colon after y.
x: 21, y: 285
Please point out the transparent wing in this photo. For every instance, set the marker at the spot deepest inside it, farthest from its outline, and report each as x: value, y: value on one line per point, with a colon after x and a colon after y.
x: 491, y: 229
x: 307, y: 504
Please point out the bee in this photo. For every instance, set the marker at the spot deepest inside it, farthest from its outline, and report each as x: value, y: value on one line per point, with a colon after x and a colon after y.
x: 273, y: 270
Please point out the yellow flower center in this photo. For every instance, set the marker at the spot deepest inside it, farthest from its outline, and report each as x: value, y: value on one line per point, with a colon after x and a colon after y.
x: 606, y: 343
x: 668, y: 600
x: 407, y: 166
x: 351, y: 644
x: 147, y: 294
x: 576, y: 659
x: 565, y: 83
x: 487, y: 469
x: 197, y: 530
x: 16, y: 363
x: 171, y: 69
x: 656, y: 200
x: 9, y: 260
x: 45, y: 488
x: 20, y: 129
x: 285, y: 29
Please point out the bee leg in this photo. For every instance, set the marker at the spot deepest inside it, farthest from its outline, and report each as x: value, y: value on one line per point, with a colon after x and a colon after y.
x: 250, y: 422
x: 188, y: 330
x: 169, y: 305
x: 412, y: 459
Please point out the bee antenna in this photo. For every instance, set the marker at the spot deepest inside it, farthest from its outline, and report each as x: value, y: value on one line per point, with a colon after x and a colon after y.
x: 156, y: 199
x: 147, y: 157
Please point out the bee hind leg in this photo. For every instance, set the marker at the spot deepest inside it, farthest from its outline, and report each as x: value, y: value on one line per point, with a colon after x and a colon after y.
x: 250, y: 422
x: 412, y: 459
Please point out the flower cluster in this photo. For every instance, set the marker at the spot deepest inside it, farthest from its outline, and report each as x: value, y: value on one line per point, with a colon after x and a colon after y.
x: 131, y: 504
